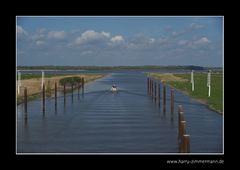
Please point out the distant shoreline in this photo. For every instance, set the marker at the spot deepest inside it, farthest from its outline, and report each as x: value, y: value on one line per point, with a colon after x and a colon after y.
x: 86, y: 68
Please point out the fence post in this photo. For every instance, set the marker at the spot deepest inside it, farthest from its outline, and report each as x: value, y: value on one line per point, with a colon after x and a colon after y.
x: 64, y: 93
x: 147, y: 84
x: 55, y: 96
x: 82, y: 85
x: 43, y: 98
x: 25, y: 102
x: 185, y: 145
x: 72, y: 88
x: 180, y: 108
x: 172, y: 100
x: 151, y: 87
x: 182, y: 131
x: 159, y: 95
x: 78, y: 89
x: 155, y: 92
x: 19, y: 82
x: 180, y: 119
x: 164, y: 97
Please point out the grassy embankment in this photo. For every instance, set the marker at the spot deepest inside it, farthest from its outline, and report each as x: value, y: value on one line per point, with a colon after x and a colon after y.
x: 182, y: 82
x: 33, y: 84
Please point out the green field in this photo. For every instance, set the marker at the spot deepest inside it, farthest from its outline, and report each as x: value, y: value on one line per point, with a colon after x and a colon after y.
x: 215, y: 101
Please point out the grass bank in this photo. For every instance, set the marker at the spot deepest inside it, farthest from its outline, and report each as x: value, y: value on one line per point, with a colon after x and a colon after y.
x: 182, y: 82
x: 33, y: 84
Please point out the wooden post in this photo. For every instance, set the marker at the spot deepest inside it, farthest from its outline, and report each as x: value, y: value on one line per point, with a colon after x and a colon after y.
x: 182, y: 131
x: 43, y: 97
x: 172, y: 100
x: 25, y: 102
x: 72, y: 93
x: 164, y: 98
x: 180, y: 119
x: 78, y: 89
x: 155, y: 92
x: 185, y: 145
x: 152, y: 88
x: 159, y: 95
x: 72, y: 88
x: 55, y: 96
x: 82, y: 85
x: 64, y: 93
x: 180, y: 108
x: 147, y: 84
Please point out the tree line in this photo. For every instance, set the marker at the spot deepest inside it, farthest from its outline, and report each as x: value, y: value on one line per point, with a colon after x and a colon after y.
x: 52, y: 67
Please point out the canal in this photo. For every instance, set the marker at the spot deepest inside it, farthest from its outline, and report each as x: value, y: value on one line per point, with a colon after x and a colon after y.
x: 128, y: 121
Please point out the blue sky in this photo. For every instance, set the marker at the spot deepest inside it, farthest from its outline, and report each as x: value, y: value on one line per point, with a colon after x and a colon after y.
x: 112, y: 41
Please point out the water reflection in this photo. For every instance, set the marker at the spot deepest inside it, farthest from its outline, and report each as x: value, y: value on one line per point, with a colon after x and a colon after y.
x: 72, y: 98
x: 26, y: 122
x: 55, y: 105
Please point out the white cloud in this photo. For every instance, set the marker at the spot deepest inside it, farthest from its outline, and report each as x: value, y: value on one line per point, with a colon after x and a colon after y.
x: 38, y: 36
x: 106, y: 34
x: 91, y: 36
x: 117, y: 39
x: 56, y: 34
x: 196, y: 26
x: 202, y: 41
x: 39, y: 42
x: 20, y: 30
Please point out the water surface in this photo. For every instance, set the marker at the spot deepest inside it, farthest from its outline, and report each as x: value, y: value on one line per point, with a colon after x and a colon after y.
x: 125, y: 122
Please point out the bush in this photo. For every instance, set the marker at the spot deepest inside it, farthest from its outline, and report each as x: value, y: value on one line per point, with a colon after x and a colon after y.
x: 70, y: 81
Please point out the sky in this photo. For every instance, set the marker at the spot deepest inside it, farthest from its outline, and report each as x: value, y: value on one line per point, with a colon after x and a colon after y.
x: 119, y: 41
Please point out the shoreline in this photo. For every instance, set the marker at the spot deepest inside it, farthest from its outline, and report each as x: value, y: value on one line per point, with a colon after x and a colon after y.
x: 169, y: 77
x: 34, y: 85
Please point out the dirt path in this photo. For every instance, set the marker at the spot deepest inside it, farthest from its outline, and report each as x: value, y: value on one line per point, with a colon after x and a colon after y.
x: 166, y: 77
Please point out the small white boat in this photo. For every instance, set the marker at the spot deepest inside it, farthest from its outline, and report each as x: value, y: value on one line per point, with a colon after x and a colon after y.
x: 114, y: 88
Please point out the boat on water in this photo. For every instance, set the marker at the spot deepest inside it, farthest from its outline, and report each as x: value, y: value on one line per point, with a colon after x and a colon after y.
x: 114, y: 88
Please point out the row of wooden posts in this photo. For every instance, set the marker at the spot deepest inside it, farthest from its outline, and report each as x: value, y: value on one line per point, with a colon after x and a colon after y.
x: 183, y: 137
x: 154, y: 90
x: 55, y: 96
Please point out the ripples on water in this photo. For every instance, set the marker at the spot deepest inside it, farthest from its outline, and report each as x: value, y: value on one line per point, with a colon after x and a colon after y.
x: 125, y: 122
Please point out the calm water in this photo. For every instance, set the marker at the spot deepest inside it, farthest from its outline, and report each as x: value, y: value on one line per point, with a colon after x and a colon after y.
x: 125, y: 122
